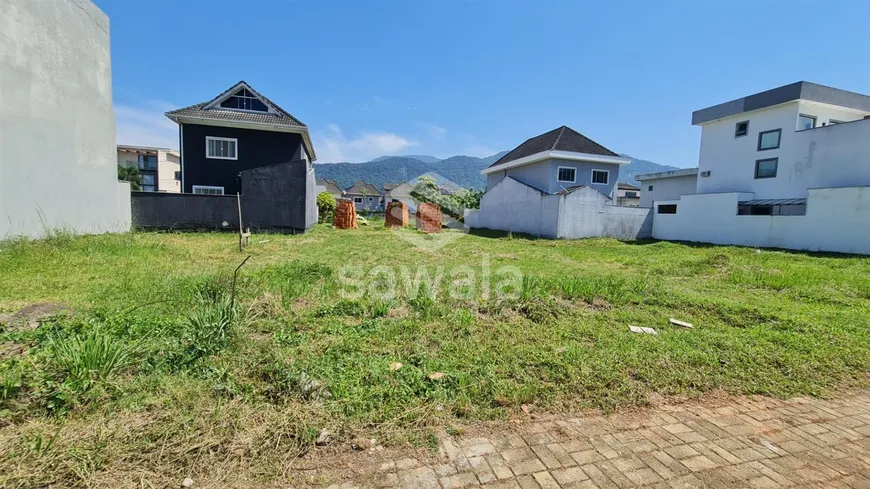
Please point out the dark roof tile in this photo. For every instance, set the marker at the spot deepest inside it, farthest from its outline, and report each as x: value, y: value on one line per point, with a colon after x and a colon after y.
x: 279, y: 118
x: 560, y: 139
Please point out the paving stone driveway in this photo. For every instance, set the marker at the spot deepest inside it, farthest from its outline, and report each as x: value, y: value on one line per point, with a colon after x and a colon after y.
x: 748, y: 442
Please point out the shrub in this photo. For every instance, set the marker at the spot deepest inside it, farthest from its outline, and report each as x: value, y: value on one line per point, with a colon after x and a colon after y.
x: 91, y: 358
x: 210, y: 328
x: 325, y: 206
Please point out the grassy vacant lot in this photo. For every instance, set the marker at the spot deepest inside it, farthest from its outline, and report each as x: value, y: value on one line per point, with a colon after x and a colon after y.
x: 155, y: 376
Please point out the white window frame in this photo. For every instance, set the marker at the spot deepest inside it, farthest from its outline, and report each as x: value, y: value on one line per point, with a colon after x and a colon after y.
x: 207, y: 187
x: 360, y: 201
x: 592, y: 176
x: 558, y: 169
x: 235, y: 142
x: 807, y: 116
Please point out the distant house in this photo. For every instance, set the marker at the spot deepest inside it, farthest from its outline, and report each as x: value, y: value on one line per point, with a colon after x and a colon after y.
x: 239, y: 130
x: 365, y: 196
x: 400, y: 192
x: 627, y: 194
x: 557, y: 161
x: 329, y: 186
x: 160, y: 168
x: 558, y: 185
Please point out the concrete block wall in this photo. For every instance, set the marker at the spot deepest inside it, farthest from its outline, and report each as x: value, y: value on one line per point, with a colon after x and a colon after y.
x: 58, y: 168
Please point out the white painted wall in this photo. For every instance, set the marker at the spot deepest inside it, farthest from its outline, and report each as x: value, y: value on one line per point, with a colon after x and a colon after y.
x: 841, y: 155
x: 58, y: 167
x: 167, y: 164
x: 666, y: 188
x: 837, y: 219
x: 513, y: 206
x: 586, y: 213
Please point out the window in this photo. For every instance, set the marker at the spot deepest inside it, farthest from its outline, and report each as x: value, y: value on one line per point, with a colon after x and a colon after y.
x: 357, y: 200
x: 806, y: 122
x: 766, y: 168
x: 371, y: 199
x: 207, y: 190
x: 600, y: 177
x: 178, y: 176
x: 769, y: 139
x: 147, y: 162
x: 650, y: 188
x: 741, y: 129
x: 567, y: 174
x: 772, y: 210
x: 149, y: 183
x: 244, y: 100
x: 631, y: 194
x: 220, y: 148
x: 668, y: 209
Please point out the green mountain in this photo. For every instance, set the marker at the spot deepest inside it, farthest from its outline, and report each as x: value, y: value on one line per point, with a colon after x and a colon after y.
x: 423, y: 158
x: 463, y: 170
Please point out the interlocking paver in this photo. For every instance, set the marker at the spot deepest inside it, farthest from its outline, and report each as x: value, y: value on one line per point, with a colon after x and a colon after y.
x: 750, y: 442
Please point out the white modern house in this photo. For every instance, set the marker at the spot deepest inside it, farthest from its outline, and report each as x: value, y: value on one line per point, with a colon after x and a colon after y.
x: 159, y: 168
x: 786, y: 168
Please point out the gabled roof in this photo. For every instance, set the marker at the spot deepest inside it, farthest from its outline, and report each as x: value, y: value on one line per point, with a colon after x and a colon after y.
x: 560, y: 139
x: 562, y: 142
x: 276, y: 117
x: 360, y: 188
x: 390, y: 186
x: 626, y: 186
x: 801, y: 90
x: 331, y: 186
x: 563, y: 191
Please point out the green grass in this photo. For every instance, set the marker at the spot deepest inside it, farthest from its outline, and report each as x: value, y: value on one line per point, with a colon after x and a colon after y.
x: 158, y: 375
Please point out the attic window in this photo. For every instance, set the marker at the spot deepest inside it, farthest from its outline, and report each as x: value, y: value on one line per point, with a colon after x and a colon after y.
x: 244, y: 100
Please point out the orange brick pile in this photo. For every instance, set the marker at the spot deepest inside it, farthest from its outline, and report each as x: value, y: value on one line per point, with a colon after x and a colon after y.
x: 397, y: 215
x: 345, y: 215
x: 429, y: 218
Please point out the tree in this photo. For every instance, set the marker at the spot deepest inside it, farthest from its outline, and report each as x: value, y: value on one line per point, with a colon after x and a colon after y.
x: 325, y: 205
x: 452, y: 204
x: 130, y: 174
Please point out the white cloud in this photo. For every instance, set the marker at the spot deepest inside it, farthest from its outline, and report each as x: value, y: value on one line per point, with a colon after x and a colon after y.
x: 435, y: 132
x: 145, y: 125
x: 334, y: 147
x: 479, y: 151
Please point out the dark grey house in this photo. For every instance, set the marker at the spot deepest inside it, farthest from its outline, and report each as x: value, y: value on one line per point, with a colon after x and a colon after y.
x: 238, y: 130
x: 241, y: 130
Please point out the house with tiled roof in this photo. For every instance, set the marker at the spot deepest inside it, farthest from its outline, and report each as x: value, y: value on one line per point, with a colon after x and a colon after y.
x: 239, y: 129
x: 241, y: 142
x: 558, y: 161
x: 560, y: 184
x: 365, y: 196
x: 331, y: 187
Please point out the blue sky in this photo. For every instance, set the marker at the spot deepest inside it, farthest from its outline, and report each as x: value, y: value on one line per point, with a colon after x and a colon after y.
x: 475, y: 77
